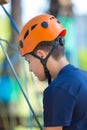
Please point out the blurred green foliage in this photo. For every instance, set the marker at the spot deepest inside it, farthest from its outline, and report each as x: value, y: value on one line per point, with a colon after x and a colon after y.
x: 5, y: 32
x: 5, y: 29
x: 83, y: 58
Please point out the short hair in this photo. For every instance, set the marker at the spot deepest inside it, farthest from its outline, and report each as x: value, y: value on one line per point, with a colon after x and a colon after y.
x: 47, y: 46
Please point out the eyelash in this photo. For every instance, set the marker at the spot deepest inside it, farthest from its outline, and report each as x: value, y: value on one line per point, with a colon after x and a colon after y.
x: 28, y: 62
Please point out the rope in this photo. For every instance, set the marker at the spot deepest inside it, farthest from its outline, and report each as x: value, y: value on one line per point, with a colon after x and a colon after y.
x: 12, y: 68
x: 11, y: 20
x: 15, y: 74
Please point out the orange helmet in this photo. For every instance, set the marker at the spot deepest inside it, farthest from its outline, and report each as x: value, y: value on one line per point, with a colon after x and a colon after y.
x: 41, y: 28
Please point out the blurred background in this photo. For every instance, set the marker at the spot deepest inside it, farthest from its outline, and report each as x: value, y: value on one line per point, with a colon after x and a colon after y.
x: 15, y: 114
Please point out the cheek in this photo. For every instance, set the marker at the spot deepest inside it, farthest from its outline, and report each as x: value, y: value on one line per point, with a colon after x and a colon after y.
x: 34, y: 66
x: 41, y: 74
x: 38, y: 70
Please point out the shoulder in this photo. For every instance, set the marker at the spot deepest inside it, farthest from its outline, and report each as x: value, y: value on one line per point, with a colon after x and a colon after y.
x: 70, y: 79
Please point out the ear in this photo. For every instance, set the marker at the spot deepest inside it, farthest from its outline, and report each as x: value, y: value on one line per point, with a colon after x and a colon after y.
x: 41, y: 53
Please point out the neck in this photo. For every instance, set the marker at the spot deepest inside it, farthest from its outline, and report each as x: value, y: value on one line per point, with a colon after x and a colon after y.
x: 56, y: 65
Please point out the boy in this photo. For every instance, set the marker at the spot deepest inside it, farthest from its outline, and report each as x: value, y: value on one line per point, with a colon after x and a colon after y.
x: 41, y: 42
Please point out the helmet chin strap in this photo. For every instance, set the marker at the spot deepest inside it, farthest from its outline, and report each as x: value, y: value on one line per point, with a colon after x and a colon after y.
x: 46, y: 71
x: 44, y: 61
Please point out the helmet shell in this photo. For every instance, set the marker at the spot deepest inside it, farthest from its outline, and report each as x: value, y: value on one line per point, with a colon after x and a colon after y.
x: 41, y: 28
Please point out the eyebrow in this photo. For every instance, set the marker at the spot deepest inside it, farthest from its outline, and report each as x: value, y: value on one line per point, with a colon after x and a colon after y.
x: 25, y: 58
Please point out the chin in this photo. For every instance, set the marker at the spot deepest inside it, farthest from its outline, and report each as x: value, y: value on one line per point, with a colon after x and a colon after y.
x: 42, y: 78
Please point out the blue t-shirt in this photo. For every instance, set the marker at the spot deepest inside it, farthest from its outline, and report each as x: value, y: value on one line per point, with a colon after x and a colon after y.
x: 65, y: 100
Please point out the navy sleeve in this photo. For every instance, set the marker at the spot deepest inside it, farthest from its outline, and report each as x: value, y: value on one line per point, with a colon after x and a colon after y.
x: 58, y: 107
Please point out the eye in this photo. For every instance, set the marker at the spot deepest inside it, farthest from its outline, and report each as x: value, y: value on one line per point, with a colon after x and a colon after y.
x: 28, y: 62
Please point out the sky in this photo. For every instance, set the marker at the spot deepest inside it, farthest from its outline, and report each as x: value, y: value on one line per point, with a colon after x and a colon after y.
x: 30, y: 8
x: 33, y: 8
x: 80, y: 7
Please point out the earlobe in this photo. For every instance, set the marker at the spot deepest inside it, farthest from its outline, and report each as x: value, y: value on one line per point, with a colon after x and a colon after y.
x: 41, y: 53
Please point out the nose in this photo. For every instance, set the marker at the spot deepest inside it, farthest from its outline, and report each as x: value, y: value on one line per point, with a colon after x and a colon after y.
x: 30, y: 68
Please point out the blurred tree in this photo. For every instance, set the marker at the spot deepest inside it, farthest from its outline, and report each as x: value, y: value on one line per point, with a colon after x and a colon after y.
x: 8, y: 84
x: 65, y: 7
x: 61, y: 7
x: 17, y: 16
x: 54, y: 7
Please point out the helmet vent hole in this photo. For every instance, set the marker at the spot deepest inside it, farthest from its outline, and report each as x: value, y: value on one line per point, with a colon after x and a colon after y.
x: 33, y: 26
x: 26, y: 34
